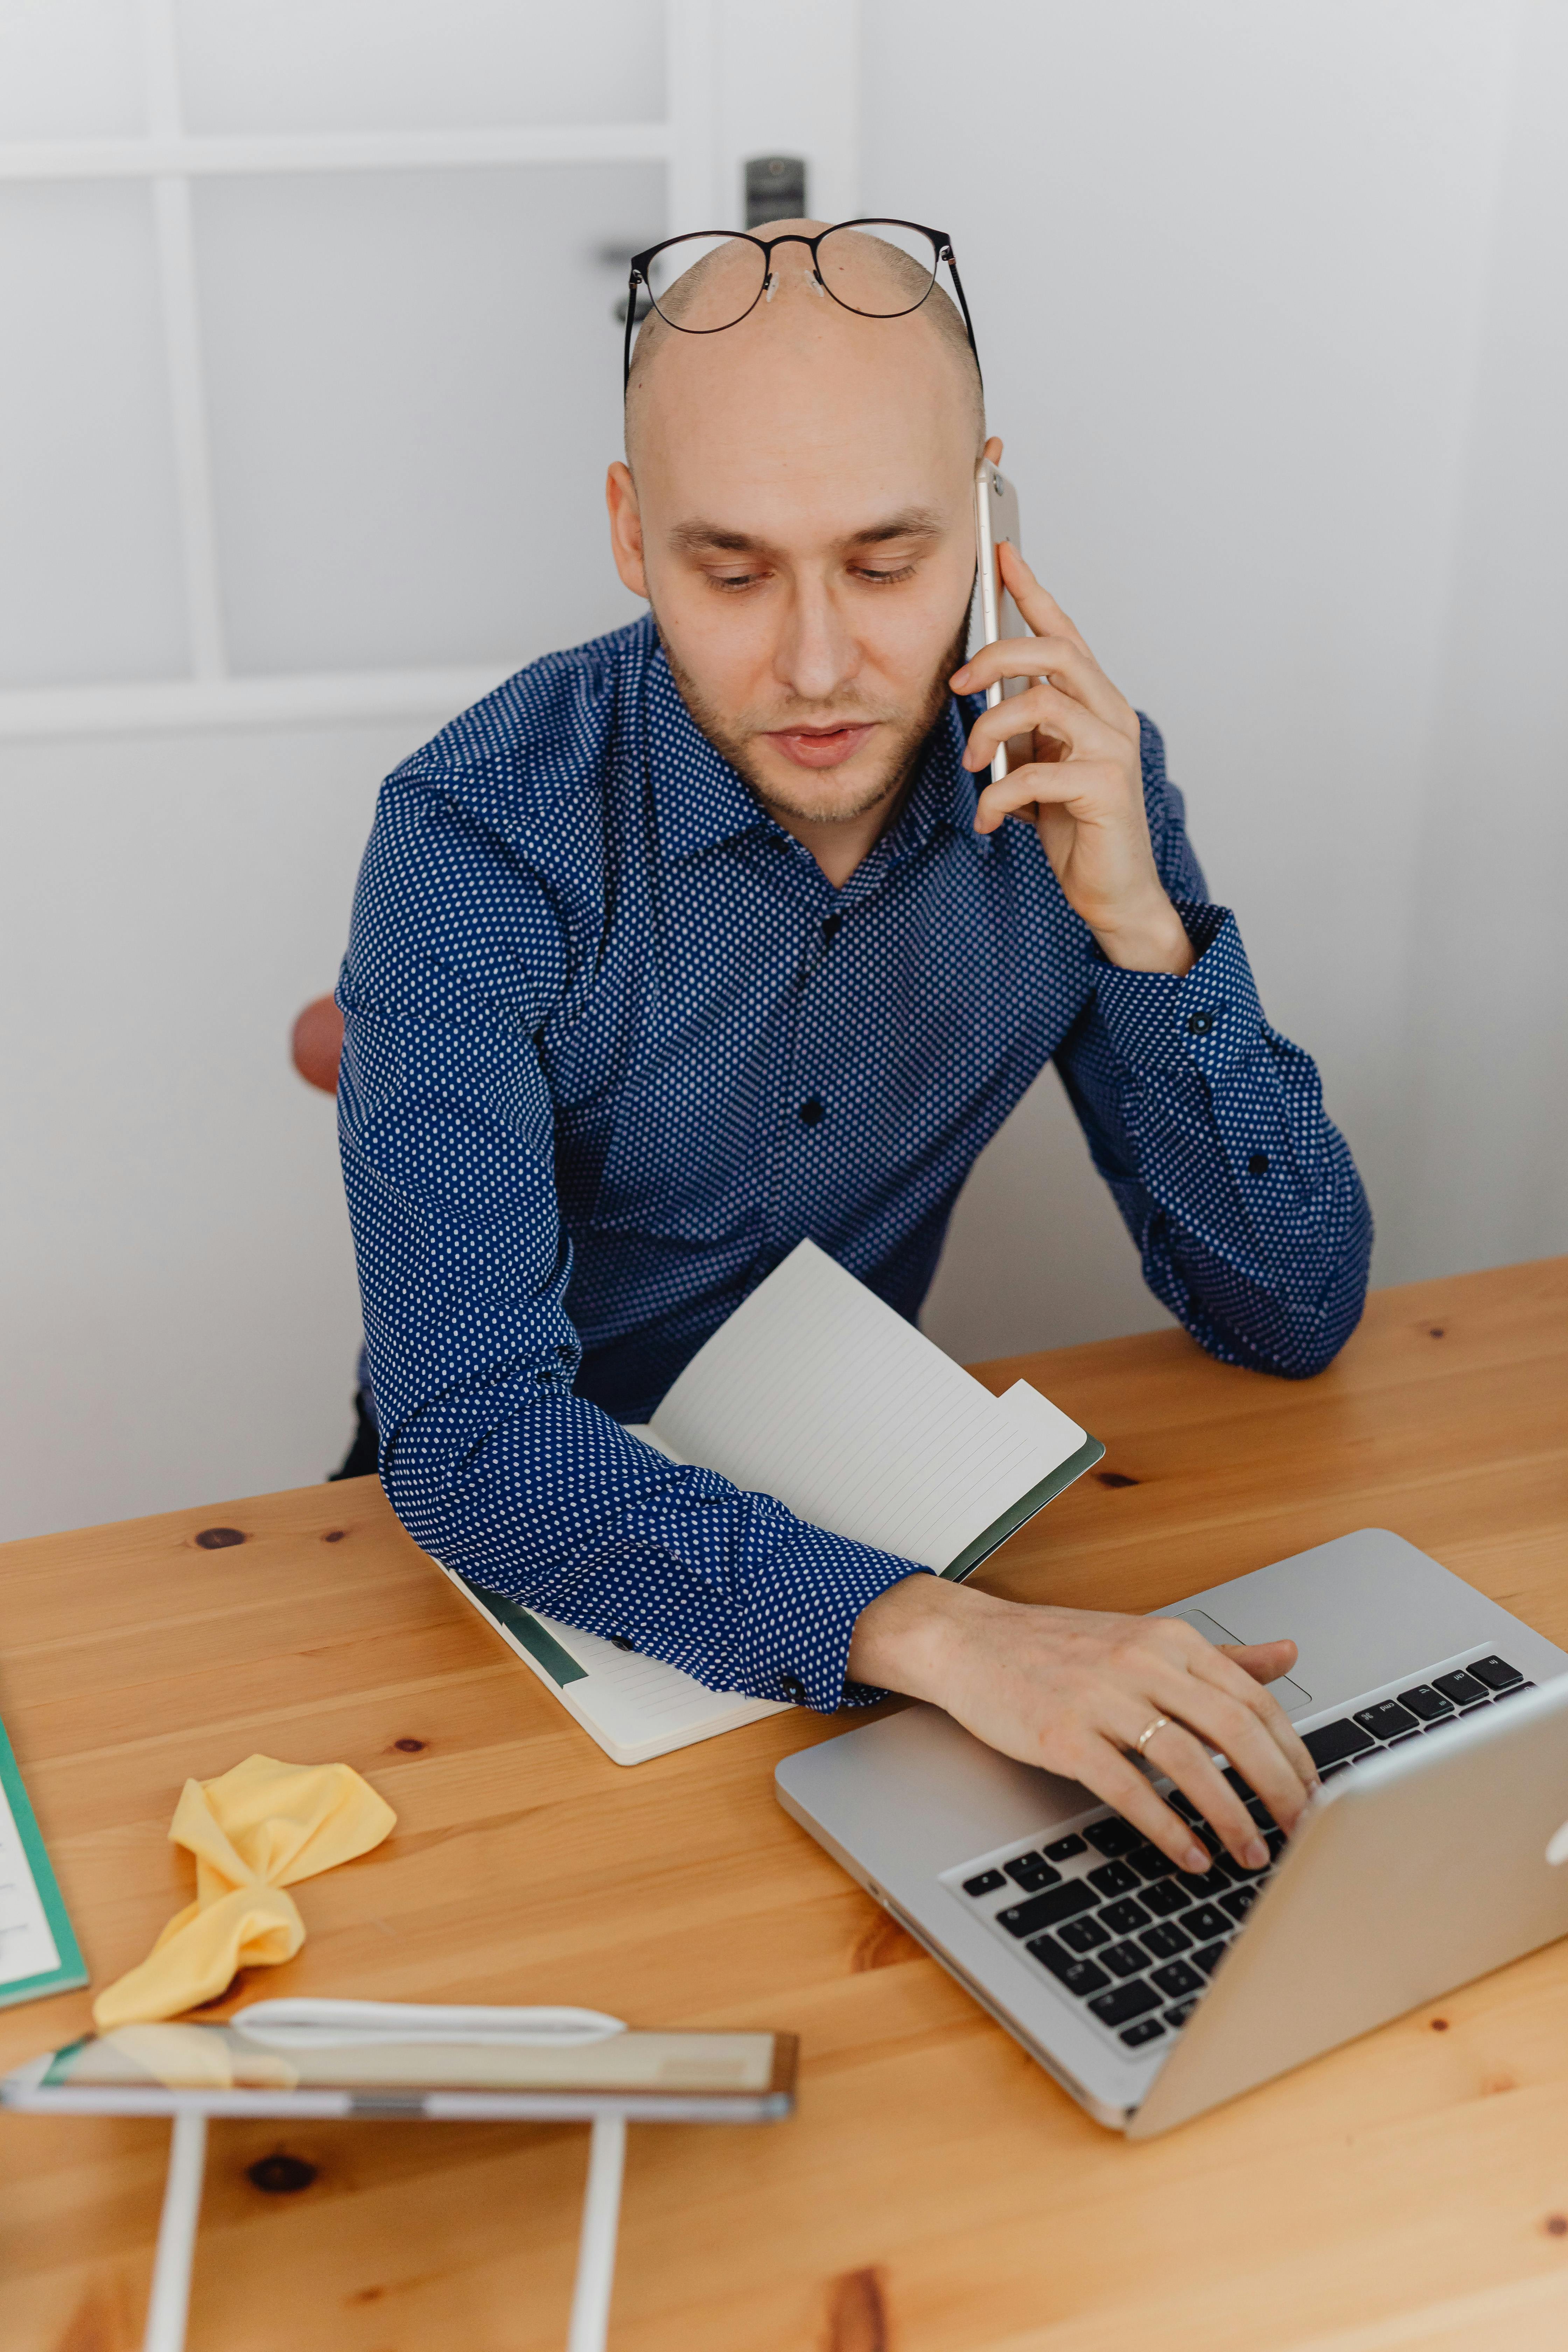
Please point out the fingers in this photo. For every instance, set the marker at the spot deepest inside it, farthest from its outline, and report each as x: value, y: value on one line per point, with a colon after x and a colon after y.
x: 1046, y: 709
x: 1118, y: 1782
x: 1224, y: 1665
x: 1079, y: 785
x: 1207, y: 1715
x: 1038, y: 605
x: 1060, y: 660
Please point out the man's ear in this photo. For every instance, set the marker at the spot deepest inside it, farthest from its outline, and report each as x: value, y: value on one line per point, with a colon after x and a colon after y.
x: 625, y: 527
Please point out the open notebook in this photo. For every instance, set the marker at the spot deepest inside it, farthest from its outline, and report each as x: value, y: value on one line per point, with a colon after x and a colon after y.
x: 815, y: 1392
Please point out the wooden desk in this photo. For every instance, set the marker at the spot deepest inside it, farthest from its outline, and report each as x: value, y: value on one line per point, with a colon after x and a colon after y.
x: 935, y: 2193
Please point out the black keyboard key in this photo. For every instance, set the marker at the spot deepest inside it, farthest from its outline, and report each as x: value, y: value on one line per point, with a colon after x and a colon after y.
x: 1175, y: 1979
x: 1113, y: 1837
x: 1149, y: 1863
x: 986, y: 1883
x: 1209, y: 1959
x: 1032, y: 1871
x: 1165, y: 1940
x: 1243, y: 1789
x: 1210, y: 1886
x: 1336, y: 1743
x: 1261, y: 1817
x: 1495, y: 1673
x: 1183, y: 1805
x: 1239, y: 1901
x: 1127, y: 2001
x: 1167, y: 1895
x: 1179, y: 2015
x: 1424, y: 1702
x: 1124, y: 1959
x: 1083, y: 1935
x: 1514, y: 1688
x: 1461, y: 1687
x: 1387, y: 1720
x: 1123, y: 1918
x: 1113, y: 1878
x: 1208, y: 1920
x: 1148, y: 2029
x: 1066, y: 1849
x: 1046, y: 1910
x: 1080, y: 1977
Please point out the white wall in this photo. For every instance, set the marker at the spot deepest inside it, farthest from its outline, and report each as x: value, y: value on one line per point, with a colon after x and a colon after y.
x: 1269, y: 299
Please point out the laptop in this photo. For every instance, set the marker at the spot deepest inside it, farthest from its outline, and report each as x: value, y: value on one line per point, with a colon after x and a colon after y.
x: 1439, y: 1725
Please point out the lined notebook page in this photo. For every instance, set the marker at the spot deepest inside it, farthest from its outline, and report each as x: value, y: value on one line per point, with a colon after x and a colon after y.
x: 816, y: 1393
x: 634, y: 1698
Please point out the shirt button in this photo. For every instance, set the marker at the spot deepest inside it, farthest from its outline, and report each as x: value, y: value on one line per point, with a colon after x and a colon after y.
x: 810, y: 1111
x: 1258, y: 1164
x: 830, y: 927
x: 1199, y: 1023
x: 793, y: 1688
x: 619, y: 1641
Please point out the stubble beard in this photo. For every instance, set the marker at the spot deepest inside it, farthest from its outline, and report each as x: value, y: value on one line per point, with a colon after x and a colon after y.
x: 818, y: 801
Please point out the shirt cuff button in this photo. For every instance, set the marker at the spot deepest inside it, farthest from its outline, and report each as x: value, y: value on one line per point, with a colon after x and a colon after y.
x: 793, y: 1688
x: 1199, y: 1023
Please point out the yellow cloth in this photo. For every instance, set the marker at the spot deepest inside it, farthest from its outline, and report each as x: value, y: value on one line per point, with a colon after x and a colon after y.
x: 254, y: 1830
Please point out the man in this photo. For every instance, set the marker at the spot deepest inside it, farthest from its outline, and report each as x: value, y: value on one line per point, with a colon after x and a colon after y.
x: 697, y: 939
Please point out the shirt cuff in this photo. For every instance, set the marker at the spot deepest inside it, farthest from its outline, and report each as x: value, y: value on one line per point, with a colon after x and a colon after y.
x: 1207, y: 1019
x: 802, y: 1631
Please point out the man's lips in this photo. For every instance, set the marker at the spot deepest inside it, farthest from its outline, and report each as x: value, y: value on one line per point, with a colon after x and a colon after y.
x: 819, y: 747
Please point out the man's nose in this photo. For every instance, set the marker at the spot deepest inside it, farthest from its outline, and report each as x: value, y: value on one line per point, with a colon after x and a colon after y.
x: 816, y: 654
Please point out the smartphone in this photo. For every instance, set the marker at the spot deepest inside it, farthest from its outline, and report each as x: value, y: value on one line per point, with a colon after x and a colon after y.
x: 996, y: 520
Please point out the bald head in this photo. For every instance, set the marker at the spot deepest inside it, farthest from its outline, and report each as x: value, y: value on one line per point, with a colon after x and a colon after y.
x: 799, y: 509
x: 865, y: 272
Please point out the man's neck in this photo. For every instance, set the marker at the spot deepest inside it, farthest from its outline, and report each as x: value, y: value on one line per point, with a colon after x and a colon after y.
x: 842, y: 847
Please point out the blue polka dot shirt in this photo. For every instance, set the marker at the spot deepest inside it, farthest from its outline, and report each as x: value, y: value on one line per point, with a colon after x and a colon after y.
x: 614, y: 1044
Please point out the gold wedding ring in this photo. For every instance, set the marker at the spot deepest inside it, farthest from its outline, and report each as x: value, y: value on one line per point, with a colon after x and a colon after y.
x: 1160, y: 1723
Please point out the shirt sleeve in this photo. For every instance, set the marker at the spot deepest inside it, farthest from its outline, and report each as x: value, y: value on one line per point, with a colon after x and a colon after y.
x: 490, y: 1461
x: 1208, y: 1125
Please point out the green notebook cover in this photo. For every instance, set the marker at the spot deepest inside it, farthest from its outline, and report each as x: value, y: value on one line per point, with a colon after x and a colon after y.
x: 996, y: 1534
x: 70, y: 1971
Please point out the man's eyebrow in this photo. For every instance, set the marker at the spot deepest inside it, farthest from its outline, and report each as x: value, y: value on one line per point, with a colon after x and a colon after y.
x: 914, y: 522
x: 713, y: 539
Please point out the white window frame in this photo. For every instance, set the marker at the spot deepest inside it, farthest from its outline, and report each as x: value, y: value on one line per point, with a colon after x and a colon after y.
x: 728, y: 92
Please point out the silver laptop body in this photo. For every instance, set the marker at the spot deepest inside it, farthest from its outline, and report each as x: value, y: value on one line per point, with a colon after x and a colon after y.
x: 1423, y: 1864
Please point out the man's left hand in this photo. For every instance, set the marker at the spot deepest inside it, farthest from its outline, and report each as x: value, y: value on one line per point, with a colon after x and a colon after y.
x: 1083, y: 787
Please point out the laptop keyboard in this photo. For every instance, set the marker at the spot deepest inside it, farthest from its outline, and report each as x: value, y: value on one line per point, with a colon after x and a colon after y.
x: 1133, y: 1939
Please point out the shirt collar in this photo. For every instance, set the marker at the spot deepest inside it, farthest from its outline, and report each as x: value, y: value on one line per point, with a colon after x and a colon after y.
x: 700, y: 800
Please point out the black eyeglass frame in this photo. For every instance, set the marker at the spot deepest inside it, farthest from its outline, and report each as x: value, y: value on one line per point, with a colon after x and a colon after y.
x: 942, y: 246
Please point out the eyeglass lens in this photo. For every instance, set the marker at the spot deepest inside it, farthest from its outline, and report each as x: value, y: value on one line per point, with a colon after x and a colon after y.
x: 880, y: 268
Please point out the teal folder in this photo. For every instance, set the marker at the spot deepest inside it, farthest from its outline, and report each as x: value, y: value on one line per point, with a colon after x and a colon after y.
x: 33, y: 1915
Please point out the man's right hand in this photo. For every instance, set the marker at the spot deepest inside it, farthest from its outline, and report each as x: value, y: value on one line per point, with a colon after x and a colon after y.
x: 1072, y: 1689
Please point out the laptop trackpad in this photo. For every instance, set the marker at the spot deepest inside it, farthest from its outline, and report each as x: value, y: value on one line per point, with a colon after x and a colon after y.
x: 1290, y: 1696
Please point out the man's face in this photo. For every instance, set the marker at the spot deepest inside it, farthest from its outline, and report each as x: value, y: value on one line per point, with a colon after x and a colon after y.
x: 802, y: 521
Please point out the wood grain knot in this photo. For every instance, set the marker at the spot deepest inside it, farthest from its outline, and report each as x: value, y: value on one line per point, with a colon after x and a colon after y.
x: 883, y: 1944
x: 1439, y: 2025
x: 1556, y: 2225
x: 1115, y: 1478
x: 1437, y: 1331
x: 858, y: 2314
x: 410, y: 1746
x: 218, y: 1539
x: 334, y: 1535
x: 281, y: 2176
